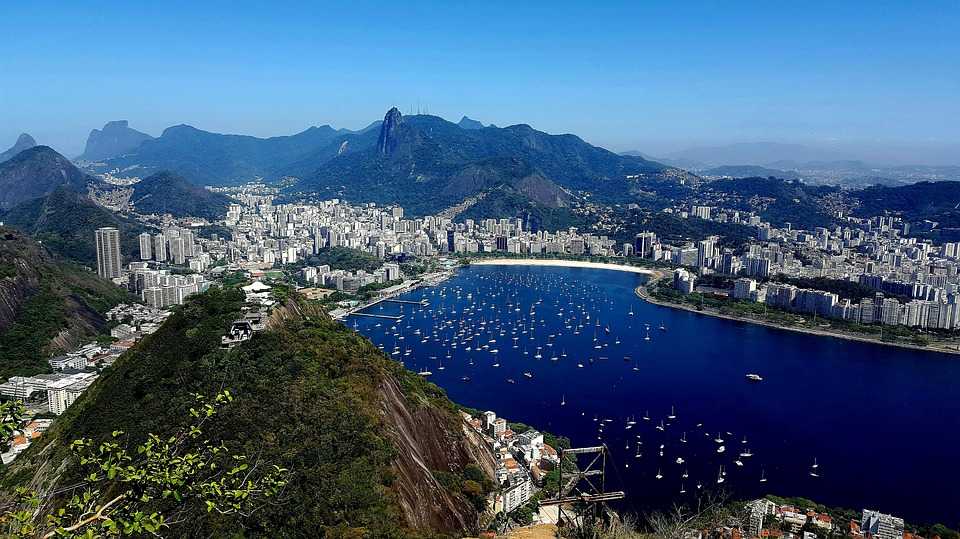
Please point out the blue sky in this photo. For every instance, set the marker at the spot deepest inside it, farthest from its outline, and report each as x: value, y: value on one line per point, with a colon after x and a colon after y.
x: 873, y: 77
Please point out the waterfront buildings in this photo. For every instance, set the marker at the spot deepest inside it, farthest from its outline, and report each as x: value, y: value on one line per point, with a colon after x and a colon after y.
x: 522, y: 460
x: 877, y: 525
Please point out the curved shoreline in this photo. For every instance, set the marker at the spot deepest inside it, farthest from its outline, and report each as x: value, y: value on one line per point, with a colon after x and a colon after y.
x: 640, y: 292
x: 653, y: 275
x: 563, y: 264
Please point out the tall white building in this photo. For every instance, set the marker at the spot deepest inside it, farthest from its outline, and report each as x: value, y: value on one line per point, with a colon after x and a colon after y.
x: 160, y: 247
x: 108, y: 252
x: 146, y: 244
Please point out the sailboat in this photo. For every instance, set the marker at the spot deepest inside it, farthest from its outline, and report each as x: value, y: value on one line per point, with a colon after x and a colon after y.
x: 720, y: 478
x: 763, y: 476
x: 659, y: 475
x: 563, y: 400
x: 672, y: 415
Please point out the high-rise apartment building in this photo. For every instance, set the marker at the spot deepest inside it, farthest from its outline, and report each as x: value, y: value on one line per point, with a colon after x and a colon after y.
x: 108, y: 252
x: 146, y: 244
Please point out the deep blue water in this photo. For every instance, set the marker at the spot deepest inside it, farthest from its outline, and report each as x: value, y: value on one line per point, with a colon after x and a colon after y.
x: 882, y: 423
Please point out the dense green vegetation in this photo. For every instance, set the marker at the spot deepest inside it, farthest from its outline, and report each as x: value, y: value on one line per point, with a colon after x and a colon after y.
x: 306, y: 398
x: 57, y: 295
x: 675, y: 230
x: 345, y: 258
x: 936, y: 201
x: 777, y: 201
x: 165, y: 192
x: 66, y: 221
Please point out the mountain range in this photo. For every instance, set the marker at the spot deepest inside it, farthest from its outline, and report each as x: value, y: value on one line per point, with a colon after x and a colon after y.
x: 36, y: 172
x: 115, y: 139
x: 206, y: 158
x: 422, y: 162
x: 751, y: 153
x: 24, y: 142
x: 426, y: 164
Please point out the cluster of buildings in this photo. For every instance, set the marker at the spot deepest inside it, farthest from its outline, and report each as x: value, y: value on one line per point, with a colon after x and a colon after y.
x: 265, y: 234
x: 161, y: 288
x: 917, y: 283
x: 940, y: 313
x: 522, y: 460
x: 152, y: 279
x: 174, y: 245
x: 769, y: 519
x: 73, y: 372
x: 349, y: 281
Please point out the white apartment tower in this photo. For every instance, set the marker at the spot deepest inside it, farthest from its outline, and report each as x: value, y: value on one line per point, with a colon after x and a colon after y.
x: 146, y: 244
x: 108, y: 252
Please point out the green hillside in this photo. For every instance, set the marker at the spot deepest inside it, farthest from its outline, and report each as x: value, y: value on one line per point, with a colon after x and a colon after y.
x: 354, y: 429
x: 42, y: 299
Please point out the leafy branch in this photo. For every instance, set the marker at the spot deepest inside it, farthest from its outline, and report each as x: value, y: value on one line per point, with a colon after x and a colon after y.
x: 146, y: 490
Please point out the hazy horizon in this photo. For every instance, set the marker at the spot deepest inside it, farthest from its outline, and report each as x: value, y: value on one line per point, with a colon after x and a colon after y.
x: 868, y: 81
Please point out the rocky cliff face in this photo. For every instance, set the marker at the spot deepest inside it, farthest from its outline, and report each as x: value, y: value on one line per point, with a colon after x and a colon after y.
x: 426, y: 440
x: 115, y: 139
x: 389, y: 139
x: 24, y: 142
x: 19, y: 276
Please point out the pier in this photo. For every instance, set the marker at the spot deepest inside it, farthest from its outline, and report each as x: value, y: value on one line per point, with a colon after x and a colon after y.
x: 422, y: 303
x: 371, y: 315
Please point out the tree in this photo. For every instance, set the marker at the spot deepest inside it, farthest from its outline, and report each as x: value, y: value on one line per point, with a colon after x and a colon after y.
x: 11, y: 420
x: 712, y: 512
x: 149, y: 489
